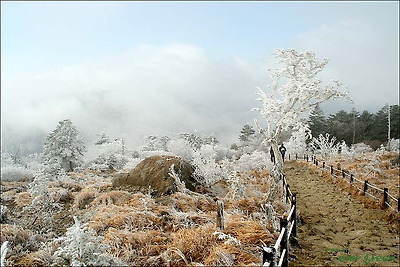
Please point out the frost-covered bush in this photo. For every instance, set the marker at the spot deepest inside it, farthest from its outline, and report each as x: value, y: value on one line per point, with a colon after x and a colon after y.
x: 361, y: 148
x: 393, y: 145
x: 207, y: 151
x: 324, y: 146
x: 132, y: 163
x: 3, y: 214
x: 6, y: 159
x: 34, y: 161
x: 225, y: 152
x: 236, y: 186
x: 82, y: 246
x: 16, y: 173
x: 181, y: 148
x: 355, y: 150
x: 257, y: 160
x: 208, y: 171
x: 43, y: 208
x: 297, y: 142
x: 112, y: 156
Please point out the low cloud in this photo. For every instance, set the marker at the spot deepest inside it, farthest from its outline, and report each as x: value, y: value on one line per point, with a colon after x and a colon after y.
x: 161, y: 90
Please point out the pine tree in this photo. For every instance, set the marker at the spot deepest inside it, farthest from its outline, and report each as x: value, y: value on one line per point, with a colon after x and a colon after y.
x: 246, y: 132
x: 104, y: 138
x: 63, y: 148
x: 318, y: 123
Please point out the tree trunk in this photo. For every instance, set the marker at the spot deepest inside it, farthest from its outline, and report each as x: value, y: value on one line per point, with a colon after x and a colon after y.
x: 70, y: 166
x: 276, y: 170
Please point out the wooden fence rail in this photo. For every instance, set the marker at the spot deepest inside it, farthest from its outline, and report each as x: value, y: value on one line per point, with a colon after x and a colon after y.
x: 278, y: 254
x: 365, y: 187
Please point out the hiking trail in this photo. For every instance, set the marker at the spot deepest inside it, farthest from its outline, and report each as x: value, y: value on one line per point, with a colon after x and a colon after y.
x: 336, y: 228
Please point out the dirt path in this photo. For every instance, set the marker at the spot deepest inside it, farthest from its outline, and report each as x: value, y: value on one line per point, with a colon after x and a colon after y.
x: 337, y: 230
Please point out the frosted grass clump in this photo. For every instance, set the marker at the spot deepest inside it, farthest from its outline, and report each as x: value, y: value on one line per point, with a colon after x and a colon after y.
x: 82, y: 246
x: 257, y: 160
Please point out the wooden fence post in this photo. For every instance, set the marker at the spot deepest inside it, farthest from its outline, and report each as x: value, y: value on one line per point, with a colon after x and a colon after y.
x: 385, y: 197
x: 351, y: 178
x: 287, y: 193
x: 343, y: 174
x: 331, y: 170
x: 269, y: 255
x: 284, y: 244
x: 294, y: 203
x: 220, y: 215
x: 398, y: 204
x: 365, y: 186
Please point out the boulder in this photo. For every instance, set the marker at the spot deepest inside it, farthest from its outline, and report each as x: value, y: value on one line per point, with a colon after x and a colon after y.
x: 153, y: 171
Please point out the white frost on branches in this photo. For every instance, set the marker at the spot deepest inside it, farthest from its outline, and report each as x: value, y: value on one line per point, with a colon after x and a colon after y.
x: 294, y: 93
x: 285, y: 103
x: 257, y: 160
x: 325, y: 146
x: 63, y: 148
x: 3, y: 253
x: 297, y: 142
x: 181, y: 148
x: 179, y: 184
x: 208, y: 171
x: 394, y: 145
x: 81, y: 247
x: 291, y: 98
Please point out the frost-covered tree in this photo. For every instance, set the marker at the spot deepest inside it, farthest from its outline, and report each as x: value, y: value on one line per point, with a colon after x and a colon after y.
x: 156, y: 143
x: 104, y: 138
x: 196, y: 140
x: 246, y: 132
x: 318, y: 123
x: 293, y: 94
x: 63, y: 148
x: 325, y: 146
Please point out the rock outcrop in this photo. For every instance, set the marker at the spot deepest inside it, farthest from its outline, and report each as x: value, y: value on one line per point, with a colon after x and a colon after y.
x: 153, y: 172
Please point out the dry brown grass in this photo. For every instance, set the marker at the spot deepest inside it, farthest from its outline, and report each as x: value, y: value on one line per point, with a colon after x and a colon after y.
x: 23, y: 199
x: 389, y: 173
x: 85, y: 197
x: 112, y: 197
x: 195, y: 243
x: 21, y: 241
x: 135, y: 248
x: 42, y: 257
x: 249, y: 233
x: 173, y: 230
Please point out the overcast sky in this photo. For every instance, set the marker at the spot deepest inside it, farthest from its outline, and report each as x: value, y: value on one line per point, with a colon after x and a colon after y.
x: 141, y: 68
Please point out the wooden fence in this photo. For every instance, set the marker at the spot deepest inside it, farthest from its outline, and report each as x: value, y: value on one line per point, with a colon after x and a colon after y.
x: 288, y: 230
x: 379, y: 194
x: 278, y: 255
